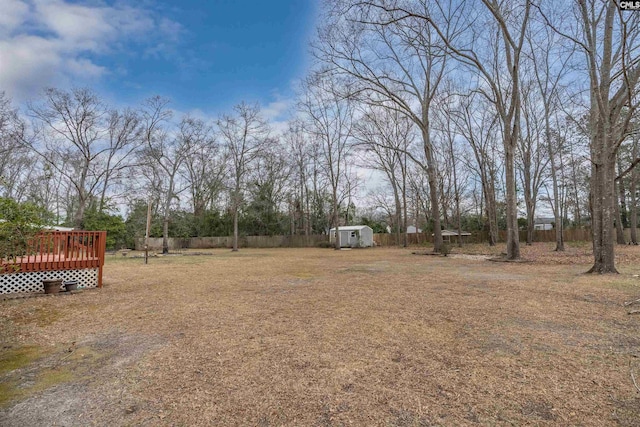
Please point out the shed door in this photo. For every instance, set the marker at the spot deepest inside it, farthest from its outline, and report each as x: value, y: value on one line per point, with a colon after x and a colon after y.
x: 344, y: 239
x: 353, y: 239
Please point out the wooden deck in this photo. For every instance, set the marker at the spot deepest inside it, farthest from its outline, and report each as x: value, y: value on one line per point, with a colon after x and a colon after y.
x: 62, y: 250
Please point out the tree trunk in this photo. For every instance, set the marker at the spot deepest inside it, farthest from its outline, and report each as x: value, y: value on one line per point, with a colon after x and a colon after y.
x: 198, y: 216
x: 398, y: 209
x: 605, y: 132
x: 513, y: 239
x: 336, y: 219
x: 456, y: 191
x: 435, y: 210
x: 165, y: 233
x: 304, y: 198
x: 405, y: 237
x: 433, y: 192
x: 405, y: 224
x: 292, y: 218
x: 444, y: 205
x: 103, y: 194
x: 416, y: 215
x: 633, y: 201
x: 490, y: 200
x: 165, y: 222
x: 602, y: 199
x: 458, y: 219
x: 633, y: 220
x: 78, y: 218
x: 557, y: 209
x: 624, y: 219
x: 530, y: 226
x: 618, y: 214
x: 236, y: 203
x: 577, y: 215
x: 235, y: 229
x: 529, y: 203
x: 398, y: 221
x: 559, y: 226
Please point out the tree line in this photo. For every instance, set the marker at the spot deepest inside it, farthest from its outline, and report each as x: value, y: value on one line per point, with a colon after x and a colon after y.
x: 476, y: 115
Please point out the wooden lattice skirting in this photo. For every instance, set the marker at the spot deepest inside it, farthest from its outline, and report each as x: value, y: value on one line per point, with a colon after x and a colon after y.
x: 32, y: 281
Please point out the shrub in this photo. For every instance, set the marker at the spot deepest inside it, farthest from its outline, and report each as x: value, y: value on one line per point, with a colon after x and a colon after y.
x: 113, y: 224
x: 19, y: 223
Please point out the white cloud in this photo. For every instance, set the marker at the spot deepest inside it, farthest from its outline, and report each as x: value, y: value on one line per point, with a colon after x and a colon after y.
x: 84, y: 68
x: 14, y: 13
x: 276, y: 109
x: 277, y: 113
x: 55, y: 42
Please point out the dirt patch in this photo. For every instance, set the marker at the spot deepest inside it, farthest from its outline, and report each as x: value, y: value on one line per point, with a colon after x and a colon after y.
x: 316, y: 337
x: 85, y: 383
x: 471, y: 257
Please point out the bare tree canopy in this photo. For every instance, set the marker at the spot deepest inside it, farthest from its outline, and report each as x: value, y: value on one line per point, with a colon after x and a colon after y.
x: 245, y: 137
x: 495, y: 117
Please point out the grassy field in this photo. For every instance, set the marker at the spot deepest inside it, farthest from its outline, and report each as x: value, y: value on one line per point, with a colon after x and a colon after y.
x: 328, y: 338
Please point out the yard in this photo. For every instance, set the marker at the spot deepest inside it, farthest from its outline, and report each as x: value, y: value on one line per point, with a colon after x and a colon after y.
x: 320, y: 337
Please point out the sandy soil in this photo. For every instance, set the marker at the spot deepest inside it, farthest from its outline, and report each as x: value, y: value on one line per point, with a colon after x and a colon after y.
x: 328, y: 338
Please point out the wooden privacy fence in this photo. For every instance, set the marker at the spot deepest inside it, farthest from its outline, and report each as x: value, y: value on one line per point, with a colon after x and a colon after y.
x: 381, y: 239
x: 295, y: 241
x: 570, y: 235
x: 59, y: 251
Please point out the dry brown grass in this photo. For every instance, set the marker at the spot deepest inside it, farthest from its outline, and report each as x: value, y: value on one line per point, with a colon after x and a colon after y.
x: 322, y: 337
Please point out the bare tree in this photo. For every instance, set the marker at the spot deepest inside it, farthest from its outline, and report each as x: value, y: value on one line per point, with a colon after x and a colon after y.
x: 163, y: 156
x: 395, y: 63
x: 633, y: 189
x: 619, y: 201
x: 204, y: 169
x: 550, y: 60
x: 268, y: 181
x: 476, y: 123
x: 301, y: 154
x: 70, y: 125
x: 124, y: 137
x: 385, y: 136
x: 417, y: 186
x: 608, y: 37
x: 451, y: 153
x: 17, y: 163
x: 330, y: 121
x: 532, y: 155
x: 80, y: 138
x: 245, y: 135
x: 488, y: 41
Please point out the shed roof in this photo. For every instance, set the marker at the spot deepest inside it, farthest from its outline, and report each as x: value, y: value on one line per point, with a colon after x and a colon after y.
x: 351, y: 227
x: 48, y: 227
x: 57, y: 228
x: 454, y: 233
x: 541, y: 220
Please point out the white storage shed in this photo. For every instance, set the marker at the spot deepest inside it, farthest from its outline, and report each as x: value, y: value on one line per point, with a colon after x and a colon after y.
x: 353, y: 236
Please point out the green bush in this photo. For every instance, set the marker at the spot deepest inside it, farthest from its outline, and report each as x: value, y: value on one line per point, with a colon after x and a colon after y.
x: 19, y: 223
x: 112, y: 224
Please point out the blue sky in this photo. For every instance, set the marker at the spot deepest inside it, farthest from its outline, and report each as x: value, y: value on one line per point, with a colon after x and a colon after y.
x: 204, y: 55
